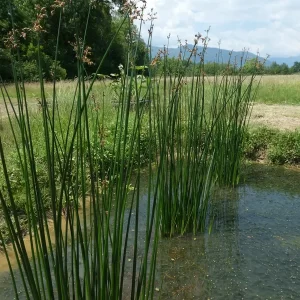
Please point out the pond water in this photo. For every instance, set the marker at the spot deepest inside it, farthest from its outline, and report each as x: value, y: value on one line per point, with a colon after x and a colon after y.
x: 252, y: 252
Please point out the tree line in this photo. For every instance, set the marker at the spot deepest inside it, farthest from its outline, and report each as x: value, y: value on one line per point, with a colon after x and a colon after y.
x: 272, y: 69
x: 176, y: 66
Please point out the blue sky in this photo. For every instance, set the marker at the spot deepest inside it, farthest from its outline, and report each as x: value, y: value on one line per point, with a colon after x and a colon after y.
x: 268, y: 26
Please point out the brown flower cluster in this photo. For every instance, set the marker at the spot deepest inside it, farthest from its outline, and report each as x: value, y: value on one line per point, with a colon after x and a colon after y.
x: 158, y: 56
x: 85, y: 55
x: 151, y: 16
x: 58, y: 4
x: 82, y: 54
x: 12, y: 39
x: 135, y: 9
x: 41, y: 15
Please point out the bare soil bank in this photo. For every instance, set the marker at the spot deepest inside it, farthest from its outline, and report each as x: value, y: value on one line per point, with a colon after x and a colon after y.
x: 283, y: 117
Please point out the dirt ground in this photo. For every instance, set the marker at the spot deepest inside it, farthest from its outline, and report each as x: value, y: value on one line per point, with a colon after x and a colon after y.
x: 283, y: 117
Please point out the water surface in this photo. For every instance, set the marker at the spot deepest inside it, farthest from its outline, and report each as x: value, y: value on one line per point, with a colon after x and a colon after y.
x: 252, y: 252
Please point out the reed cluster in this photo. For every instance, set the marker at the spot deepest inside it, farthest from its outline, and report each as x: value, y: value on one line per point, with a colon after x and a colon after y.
x: 91, y: 241
x: 201, y: 123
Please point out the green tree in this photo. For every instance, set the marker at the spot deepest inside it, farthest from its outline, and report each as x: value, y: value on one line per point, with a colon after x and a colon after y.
x: 274, y: 68
x: 284, y: 69
x: 127, y: 35
x: 296, y: 67
x: 213, y: 68
x: 102, y: 25
x: 9, y: 13
x: 253, y: 66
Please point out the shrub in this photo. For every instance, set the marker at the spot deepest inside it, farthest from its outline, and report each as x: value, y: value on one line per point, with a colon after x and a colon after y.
x: 30, y: 71
x: 285, y: 148
x: 257, y: 142
x: 278, y: 147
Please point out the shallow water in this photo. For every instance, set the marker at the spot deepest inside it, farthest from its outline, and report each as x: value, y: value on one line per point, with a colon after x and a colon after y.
x: 252, y: 252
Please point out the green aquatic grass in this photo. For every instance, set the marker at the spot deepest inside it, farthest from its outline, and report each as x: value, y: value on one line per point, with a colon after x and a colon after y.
x: 82, y: 158
x: 201, y: 126
x: 232, y: 102
x: 86, y: 256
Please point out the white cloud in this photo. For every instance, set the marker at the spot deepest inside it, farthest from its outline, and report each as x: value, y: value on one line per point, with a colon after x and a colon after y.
x: 270, y: 26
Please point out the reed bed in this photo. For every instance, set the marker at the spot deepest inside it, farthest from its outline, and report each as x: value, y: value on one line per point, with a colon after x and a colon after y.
x: 95, y: 153
x: 201, y: 125
x: 89, y: 204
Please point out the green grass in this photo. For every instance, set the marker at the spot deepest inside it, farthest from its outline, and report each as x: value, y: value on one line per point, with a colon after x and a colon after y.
x: 279, y: 89
x: 32, y: 91
x: 276, y: 89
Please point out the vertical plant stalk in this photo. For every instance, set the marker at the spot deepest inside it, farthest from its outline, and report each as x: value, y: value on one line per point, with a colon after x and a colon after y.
x: 86, y: 256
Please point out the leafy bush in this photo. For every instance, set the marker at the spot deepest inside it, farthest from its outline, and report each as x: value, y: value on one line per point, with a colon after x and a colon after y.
x: 257, y: 142
x: 30, y: 71
x: 278, y: 147
x: 285, y: 148
x: 30, y: 68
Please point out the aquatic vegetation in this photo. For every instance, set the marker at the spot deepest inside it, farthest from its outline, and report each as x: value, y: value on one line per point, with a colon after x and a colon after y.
x: 82, y: 167
x: 90, y: 210
x: 201, y: 125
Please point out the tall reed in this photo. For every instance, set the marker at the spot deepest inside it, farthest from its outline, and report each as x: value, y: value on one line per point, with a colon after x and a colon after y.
x: 201, y: 125
x: 79, y: 248
x: 184, y: 149
x: 95, y: 201
x: 233, y: 95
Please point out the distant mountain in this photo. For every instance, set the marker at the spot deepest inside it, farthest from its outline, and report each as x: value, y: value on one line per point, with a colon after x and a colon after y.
x: 287, y: 60
x: 212, y: 54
